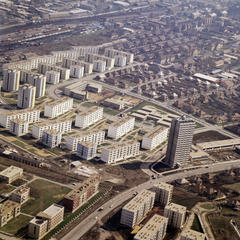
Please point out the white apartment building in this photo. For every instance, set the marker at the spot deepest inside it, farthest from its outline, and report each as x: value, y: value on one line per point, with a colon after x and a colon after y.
x: 95, y: 136
x: 163, y: 192
x: 99, y: 66
x: 190, y: 234
x: 51, y: 138
x: 121, y: 127
x: 120, y: 61
x: 61, y: 125
x: 176, y: 214
x: 49, y: 59
x: 81, y: 50
x: 20, y: 195
x: 118, y: 151
x: 59, y: 55
x: 109, y: 52
x: 52, y: 77
x: 40, y: 83
x: 68, y: 62
x: 137, y: 209
x: 30, y: 115
x: 25, y: 75
x: 88, y: 116
x: 64, y: 72
x: 11, y: 78
x: 58, y: 107
x: 76, y: 71
x: 26, y: 96
x: 155, y: 137
x: 24, y: 64
x: 154, y: 229
x: 18, y: 127
x: 89, y: 57
x: 86, y: 150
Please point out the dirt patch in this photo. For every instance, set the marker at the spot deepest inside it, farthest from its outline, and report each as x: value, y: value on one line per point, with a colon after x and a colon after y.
x: 208, y: 136
x: 59, y: 196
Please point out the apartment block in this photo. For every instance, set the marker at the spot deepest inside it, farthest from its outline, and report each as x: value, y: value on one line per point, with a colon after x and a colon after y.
x: 176, y: 214
x: 59, y: 55
x: 11, y: 78
x: 88, y: 116
x: 20, y: 195
x: 26, y: 96
x: 52, y: 77
x: 51, y: 138
x: 109, y: 52
x: 45, y: 221
x: 155, y: 137
x: 25, y: 75
x: 154, y: 229
x: 163, y: 193
x: 95, y: 136
x: 30, y: 115
x: 40, y: 83
x: 190, y: 234
x: 11, y: 174
x: 120, y: 61
x: 24, y: 64
x: 137, y: 209
x: 61, y: 125
x: 89, y: 57
x: 121, y: 127
x: 49, y: 59
x: 64, y: 72
x: 68, y: 62
x: 86, y: 150
x: 8, y: 210
x: 118, y: 151
x: 76, y: 71
x: 78, y: 196
x: 58, y: 107
x: 18, y: 127
x: 81, y: 50
x: 99, y: 66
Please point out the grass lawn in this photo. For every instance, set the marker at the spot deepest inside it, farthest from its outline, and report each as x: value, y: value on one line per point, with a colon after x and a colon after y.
x: 111, y: 112
x: 18, y: 182
x: 6, y: 188
x: 88, y: 104
x: 149, y: 124
x: 143, y: 157
x: 105, y: 144
x: 235, y: 187
x: 197, y: 125
x: 129, y: 137
x: 196, y: 225
x: 43, y: 194
x: 20, y: 144
x: 207, y: 206
x: 17, y: 225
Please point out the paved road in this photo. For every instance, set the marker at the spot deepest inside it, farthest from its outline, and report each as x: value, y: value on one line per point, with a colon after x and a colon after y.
x: 90, y: 221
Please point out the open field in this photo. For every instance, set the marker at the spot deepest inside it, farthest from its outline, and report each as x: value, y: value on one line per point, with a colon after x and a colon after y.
x: 235, y: 187
x: 4, y: 188
x: 207, y: 206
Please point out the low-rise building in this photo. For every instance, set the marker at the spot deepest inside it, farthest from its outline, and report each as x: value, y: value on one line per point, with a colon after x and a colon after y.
x: 137, y: 209
x: 76, y: 71
x: 18, y: 127
x: 190, y: 234
x: 78, y: 196
x: 51, y: 138
x: 219, y: 145
x: 8, y: 210
x: 119, y: 151
x: 99, y: 65
x: 20, y: 195
x: 45, y: 221
x: 95, y: 136
x: 154, y: 229
x: 176, y: 214
x: 11, y: 174
x: 163, y: 192
x: 86, y: 150
x: 121, y: 127
x: 88, y: 116
x: 52, y: 77
x: 114, y: 103
x: 93, y: 87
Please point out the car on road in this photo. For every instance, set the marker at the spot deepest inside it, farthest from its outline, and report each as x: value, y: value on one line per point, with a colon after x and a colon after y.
x: 96, y: 218
x: 100, y: 209
x: 74, y: 184
x: 111, y: 206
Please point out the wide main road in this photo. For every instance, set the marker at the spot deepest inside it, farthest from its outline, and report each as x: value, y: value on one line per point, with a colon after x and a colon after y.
x: 90, y: 221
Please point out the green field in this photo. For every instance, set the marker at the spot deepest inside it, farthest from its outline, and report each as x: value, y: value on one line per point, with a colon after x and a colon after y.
x: 196, y: 225
x: 6, y: 188
x: 207, y: 206
x: 235, y: 187
x: 43, y: 194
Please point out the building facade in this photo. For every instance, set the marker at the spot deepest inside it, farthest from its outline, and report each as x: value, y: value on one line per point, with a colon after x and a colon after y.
x: 86, y: 150
x: 26, y: 96
x: 76, y: 71
x: 24, y: 64
x: 11, y: 174
x: 120, y: 61
x: 52, y: 77
x: 51, y: 138
x: 109, y: 52
x: 89, y: 57
x: 81, y: 50
x: 18, y: 127
x: 25, y: 75
x: 49, y: 59
x: 40, y: 83
x: 163, y: 193
x: 190, y: 234
x: 99, y: 66
x: 59, y: 55
x: 20, y: 195
x: 68, y: 62
x: 11, y: 78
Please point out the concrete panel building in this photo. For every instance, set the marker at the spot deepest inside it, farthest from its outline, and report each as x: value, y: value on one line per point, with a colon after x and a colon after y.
x: 99, y: 66
x: 119, y: 151
x: 95, y: 136
x: 120, y: 61
x: 11, y: 78
x: 25, y: 75
x: 176, y: 215
x: 163, y: 192
x: 40, y: 83
x: 81, y: 50
x: 58, y: 107
x: 109, y: 52
x: 61, y: 125
x: 121, y: 127
x: 91, y: 57
x: 35, y: 61
x: 86, y: 150
x: 24, y: 64
x: 68, y: 62
x: 52, y: 77
x: 59, y: 55
x: 93, y: 87
x: 18, y: 127
x: 8, y: 210
x: 45, y: 221
x: 78, y: 196
x: 76, y: 71
x: 20, y: 195
x: 155, y: 137
x: 88, y: 116
x: 180, y: 141
x: 51, y: 138
x: 26, y: 96
x: 190, y: 234
x: 114, y: 103
x: 154, y: 229
x: 30, y: 115
x: 137, y: 209
x: 11, y: 174
x: 219, y: 145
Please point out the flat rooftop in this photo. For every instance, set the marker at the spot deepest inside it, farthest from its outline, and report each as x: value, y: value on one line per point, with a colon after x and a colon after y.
x: 218, y: 144
x: 120, y: 145
x: 52, y: 132
x: 121, y: 121
x: 87, y: 144
x: 85, y: 133
x: 7, y: 206
x: 11, y: 171
x: 21, y: 190
x: 53, y: 209
x: 163, y: 185
x: 86, y: 112
x: 191, y: 234
x: 157, y: 130
x: 176, y: 208
x: 205, y: 77
x: 58, y: 101
x: 40, y: 57
x: 139, y: 200
x: 18, y: 121
x: 49, y: 123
